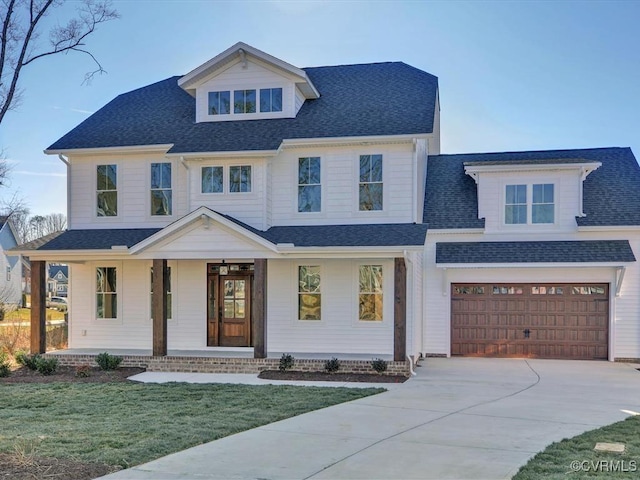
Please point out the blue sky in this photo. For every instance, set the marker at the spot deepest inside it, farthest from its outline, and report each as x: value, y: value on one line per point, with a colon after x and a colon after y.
x: 513, y: 75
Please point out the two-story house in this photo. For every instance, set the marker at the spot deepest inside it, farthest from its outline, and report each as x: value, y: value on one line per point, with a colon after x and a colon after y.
x: 255, y: 207
x: 58, y: 282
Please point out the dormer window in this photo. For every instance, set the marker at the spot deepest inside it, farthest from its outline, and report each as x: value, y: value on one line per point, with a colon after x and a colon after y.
x: 244, y: 101
x: 271, y: 100
x: 219, y: 103
x: 529, y: 204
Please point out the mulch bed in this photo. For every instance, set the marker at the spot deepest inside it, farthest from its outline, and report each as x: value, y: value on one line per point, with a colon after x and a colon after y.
x: 18, y: 466
x: 331, y: 377
x: 68, y: 375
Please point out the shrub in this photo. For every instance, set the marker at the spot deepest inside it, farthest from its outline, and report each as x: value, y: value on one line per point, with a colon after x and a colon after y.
x: 47, y: 366
x: 332, y: 365
x: 27, y: 360
x: 286, y: 362
x: 108, y: 362
x: 5, y: 366
x: 83, y: 371
x: 379, y: 365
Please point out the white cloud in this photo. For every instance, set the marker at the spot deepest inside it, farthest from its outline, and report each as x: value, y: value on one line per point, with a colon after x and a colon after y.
x: 38, y: 174
x: 77, y: 110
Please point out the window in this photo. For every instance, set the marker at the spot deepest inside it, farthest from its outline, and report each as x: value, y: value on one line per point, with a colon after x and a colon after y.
x: 542, y: 207
x: 212, y: 179
x: 517, y: 201
x: 219, y: 103
x: 107, y: 191
x: 244, y: 101
x: 515, y: 209
x: 309, y: 188
x: 271, y: 100
x: 106, y: 296
x: 309, y: 296
x: 240, y: 178
x: 370, y: 293
x: 370, y: 182
x: 161, y: 189
x: 169, y: 295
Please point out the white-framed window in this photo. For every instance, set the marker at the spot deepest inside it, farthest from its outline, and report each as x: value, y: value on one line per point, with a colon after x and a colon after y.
x: 107, y: 190
x: 212, y: 179
x: 161, y: 191
x: 370, y: 296
x: 529, y: 204
x: 270, y: 99
x: 169, y: 294
x: 309, y: 293
x: 106, y: 292
x: 244, y: 101
x: 240, y: 179
x: 219, y: 103
x: 309, y: 185
x: 370, y: 183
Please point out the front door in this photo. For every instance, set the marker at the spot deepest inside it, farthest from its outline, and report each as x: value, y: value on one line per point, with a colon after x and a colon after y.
x: 229, y: 310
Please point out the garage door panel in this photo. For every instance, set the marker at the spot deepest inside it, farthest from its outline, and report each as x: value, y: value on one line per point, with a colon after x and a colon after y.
x: 530, y: 320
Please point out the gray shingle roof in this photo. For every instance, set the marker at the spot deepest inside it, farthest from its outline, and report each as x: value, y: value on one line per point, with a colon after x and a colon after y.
x: 356, y: 100
x: 382, y: 235
x: 535, y: 252
x: 611, y: 193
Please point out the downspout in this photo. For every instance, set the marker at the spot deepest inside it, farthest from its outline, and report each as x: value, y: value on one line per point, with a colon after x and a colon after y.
x: 407, y: 259
x: 68, y: 164
x: 186, y: 167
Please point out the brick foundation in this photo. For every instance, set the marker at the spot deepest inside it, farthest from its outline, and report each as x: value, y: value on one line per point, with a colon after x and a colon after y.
x: 230, y: 365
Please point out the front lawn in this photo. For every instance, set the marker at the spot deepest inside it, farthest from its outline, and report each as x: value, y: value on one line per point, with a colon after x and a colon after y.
x: 127, y: 424
x: 575, y: 458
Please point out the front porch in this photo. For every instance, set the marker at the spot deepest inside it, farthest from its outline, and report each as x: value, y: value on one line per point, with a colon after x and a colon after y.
x: 227, y: 361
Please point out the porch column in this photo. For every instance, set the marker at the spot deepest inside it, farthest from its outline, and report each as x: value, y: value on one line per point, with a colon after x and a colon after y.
x: 259, y: 326
x: 38, y: 306
x: 400, y: 311
x: 159, y: 307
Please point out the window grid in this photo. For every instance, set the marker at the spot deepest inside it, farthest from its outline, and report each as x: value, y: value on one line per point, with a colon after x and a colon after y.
x: 370, y: 302
x: 244, y: 101
x: 309, y: 293
x: 271, y: 99
x: 106, y: 294
x: 219, y: 103
x: 309, y: 186
x: 370, y: 186
x: 107, y: 190
x: 542, y: 207
x: 212, y: 179
x: 161, y: 193
x: 515, y: 210
x: 240, y: 179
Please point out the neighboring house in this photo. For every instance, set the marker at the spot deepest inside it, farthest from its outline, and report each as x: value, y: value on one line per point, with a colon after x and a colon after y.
x: 10, y: 266
x: 58, y: 280
x: 279, y: 209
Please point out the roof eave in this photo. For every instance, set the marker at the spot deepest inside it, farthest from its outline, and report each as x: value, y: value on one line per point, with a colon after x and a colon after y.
x: 159, y: 148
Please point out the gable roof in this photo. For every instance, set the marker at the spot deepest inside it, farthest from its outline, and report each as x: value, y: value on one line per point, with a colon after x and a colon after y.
x: 356, y: 100
x: 54, y: 269
x: 584, y: 251
x: 611, y: 193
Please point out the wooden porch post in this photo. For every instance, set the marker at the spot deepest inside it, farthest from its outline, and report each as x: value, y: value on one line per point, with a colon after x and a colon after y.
x: 38, y: 306
x: 159, y: 307
x: 400, y: 311
x: 260, y: 308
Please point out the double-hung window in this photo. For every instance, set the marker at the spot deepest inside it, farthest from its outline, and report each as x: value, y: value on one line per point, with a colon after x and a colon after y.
x: 309, y: 296
x: 309, y: 187
x: 244, y: 101
x: 240, y: 179
x: 529, y: 204
x: 219, y: 103
x: 270, y: 99
x: 370, y: 293
x: 370, y: 186
x: 107, y: 190
x: 106, y: 293
x: 161, y: 193
x: 212, y: 179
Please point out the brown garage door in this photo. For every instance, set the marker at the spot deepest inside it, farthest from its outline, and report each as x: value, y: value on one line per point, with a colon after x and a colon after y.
x: 530, y: 320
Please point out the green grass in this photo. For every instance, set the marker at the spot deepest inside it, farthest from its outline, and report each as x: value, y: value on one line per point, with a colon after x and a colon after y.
x: 555, y: 461
x: 127, y: 424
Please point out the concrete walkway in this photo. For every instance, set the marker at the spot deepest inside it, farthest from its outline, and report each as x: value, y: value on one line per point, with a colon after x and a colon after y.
x: 460, y: 418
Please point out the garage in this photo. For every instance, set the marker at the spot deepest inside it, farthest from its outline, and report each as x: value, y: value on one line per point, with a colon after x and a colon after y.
x: 541, y: 320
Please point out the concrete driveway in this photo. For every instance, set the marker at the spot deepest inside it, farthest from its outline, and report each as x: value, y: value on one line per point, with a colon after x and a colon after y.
x: 459, y: 418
